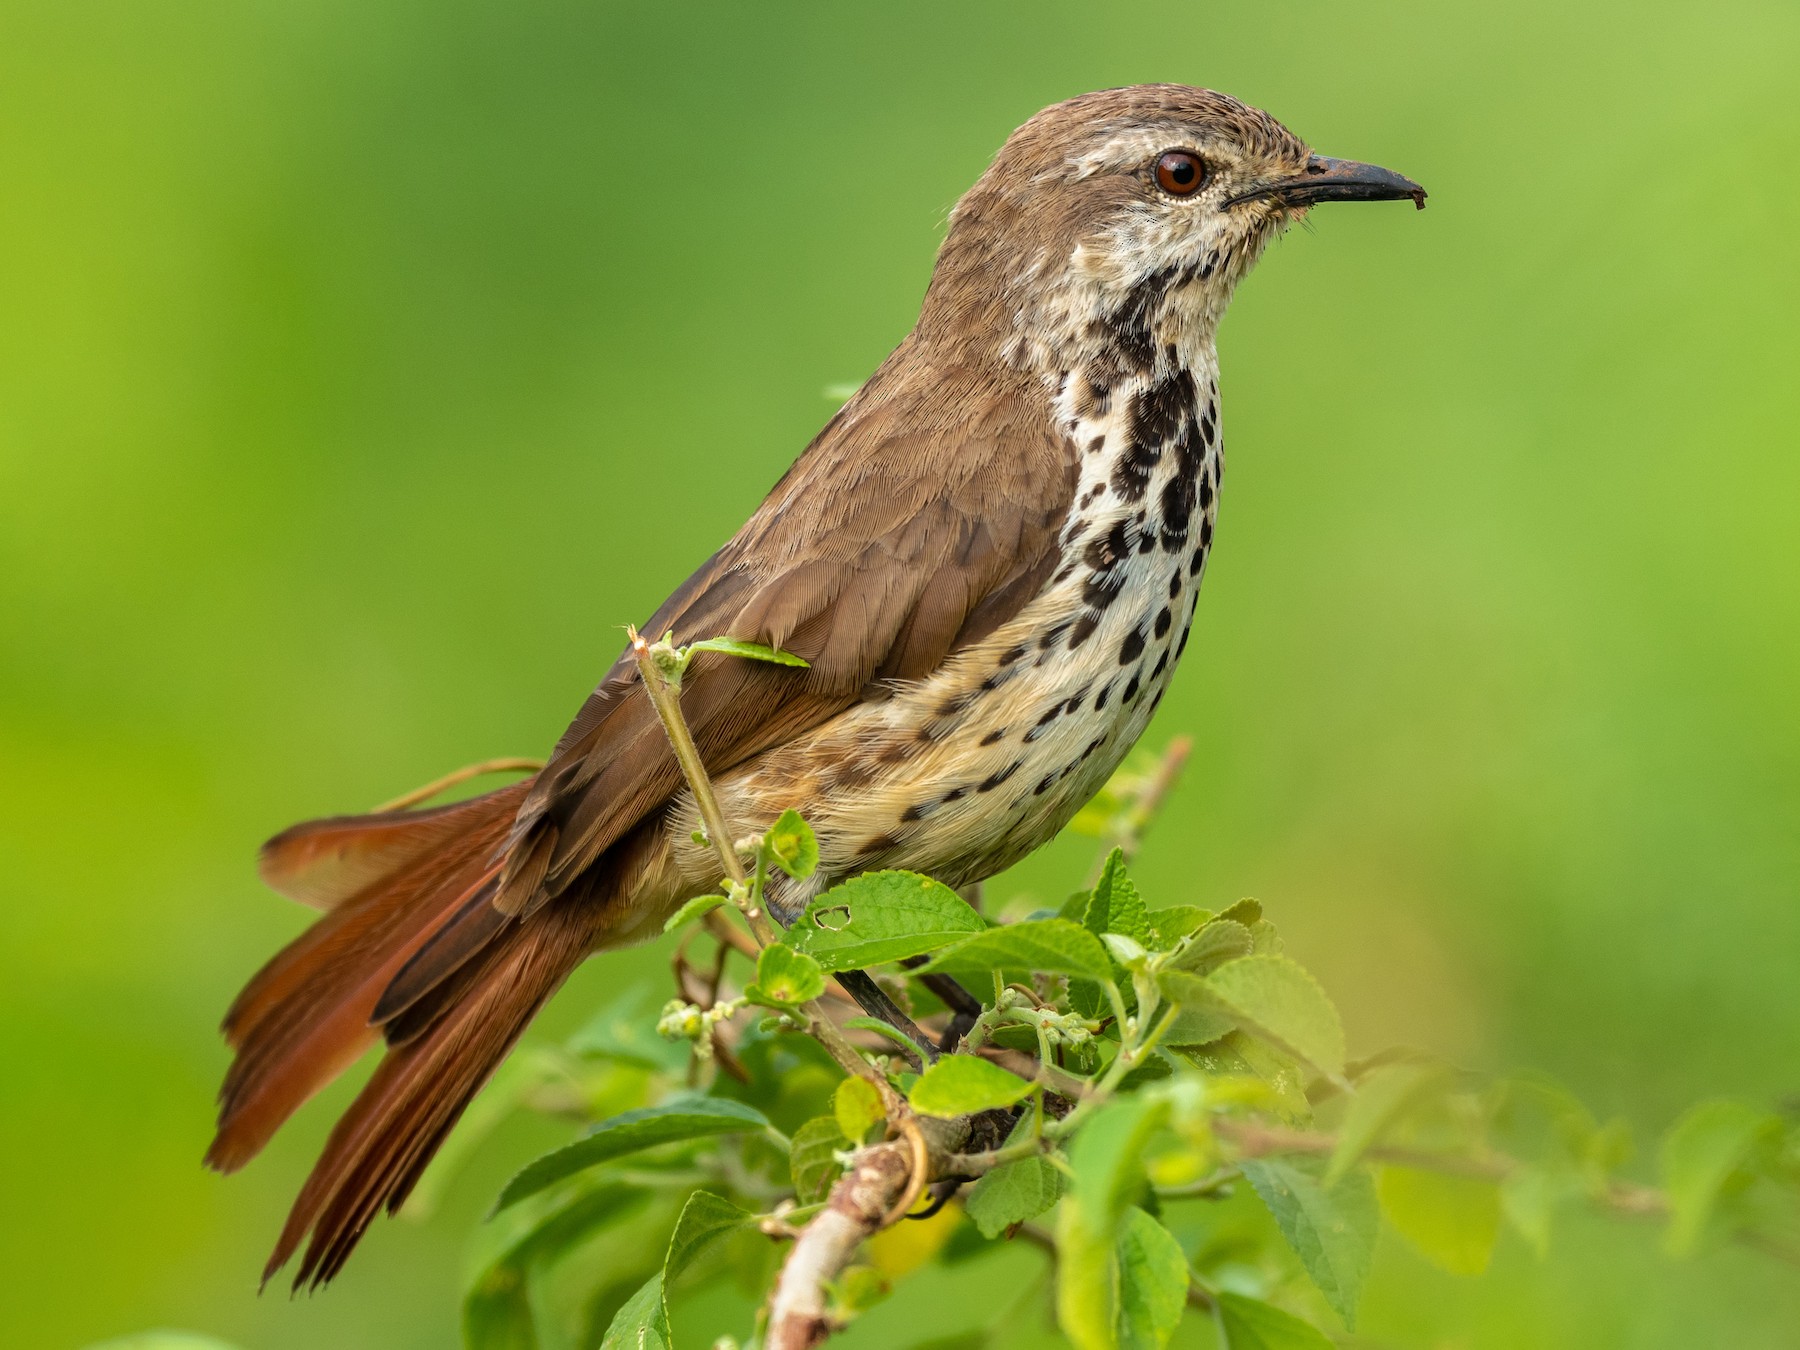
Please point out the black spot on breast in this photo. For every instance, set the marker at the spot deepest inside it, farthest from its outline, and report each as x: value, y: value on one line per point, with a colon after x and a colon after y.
x: 1155, y: 703
x: 917, y: 811
x: 1104, y: 694
x: 956, y: 703
x: 1053, y: 635
x: 881, y: 843
x: 1106, y: 551
x: 1092, y: 746
x: 1132, y: 647
x: 1162, y: 664
x: 1175, y: 583
x: 1073, y: 706
x: 1093, y: 396
x: 995, y: 680
x: 1181, y: 646
x: 1096, y: 445
x: 1197, y: 562
x: 1012, y: 654
x: 1128, y: 327
x: 1043, y: 723
x: 994, y: 780
x: 1206, y: 493
x: 1162, y: 410
x: 1083, y: 630
x: 1163, y: 619
x: 1158, y: 416
x: 994, y: 737
x: 1048, y: 781
x: 1131, y: 689
x: 1098, y: 592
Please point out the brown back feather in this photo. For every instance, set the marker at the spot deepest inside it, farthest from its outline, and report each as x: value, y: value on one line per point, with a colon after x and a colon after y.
x: 924, y: 515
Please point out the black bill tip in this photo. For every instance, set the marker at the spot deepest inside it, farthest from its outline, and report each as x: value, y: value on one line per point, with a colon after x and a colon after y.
x: 1337, y: 180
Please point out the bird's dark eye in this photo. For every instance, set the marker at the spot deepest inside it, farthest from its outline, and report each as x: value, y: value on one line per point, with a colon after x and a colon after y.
x: 1180, y: 173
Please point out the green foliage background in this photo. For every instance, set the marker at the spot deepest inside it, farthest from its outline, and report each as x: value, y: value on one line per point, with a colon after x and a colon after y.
x: 364, y: 365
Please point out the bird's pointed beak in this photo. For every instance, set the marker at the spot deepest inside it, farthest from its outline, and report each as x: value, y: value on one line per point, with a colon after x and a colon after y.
x: 1336, y: 180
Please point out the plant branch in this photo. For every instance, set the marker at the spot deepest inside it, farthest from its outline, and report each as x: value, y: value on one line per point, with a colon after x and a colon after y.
x: 859, y: 1205
x: 455, y: 776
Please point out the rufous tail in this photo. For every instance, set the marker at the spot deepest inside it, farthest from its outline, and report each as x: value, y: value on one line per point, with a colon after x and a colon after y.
x: 410, y: 947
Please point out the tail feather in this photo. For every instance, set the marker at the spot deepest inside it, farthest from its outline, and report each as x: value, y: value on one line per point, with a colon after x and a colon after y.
x: 412, y: 945
x: 305, y: 1016
x: 322, y: 863
x: 381, y: 1146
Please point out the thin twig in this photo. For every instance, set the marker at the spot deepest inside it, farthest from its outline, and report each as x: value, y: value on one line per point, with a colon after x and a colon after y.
x: 462, y: 775
x: 1150, y: 800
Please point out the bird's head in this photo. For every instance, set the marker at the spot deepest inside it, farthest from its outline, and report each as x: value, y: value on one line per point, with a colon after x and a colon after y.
x: 1141, y: 205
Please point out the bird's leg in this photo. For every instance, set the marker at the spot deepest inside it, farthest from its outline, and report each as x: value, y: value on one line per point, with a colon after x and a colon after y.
x: 874, y: 1000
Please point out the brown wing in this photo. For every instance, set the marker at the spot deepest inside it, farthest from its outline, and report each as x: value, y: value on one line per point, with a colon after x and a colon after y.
x: 924, y: 515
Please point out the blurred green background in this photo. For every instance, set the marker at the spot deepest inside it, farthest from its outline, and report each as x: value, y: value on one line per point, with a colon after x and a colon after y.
x: 364, y: 364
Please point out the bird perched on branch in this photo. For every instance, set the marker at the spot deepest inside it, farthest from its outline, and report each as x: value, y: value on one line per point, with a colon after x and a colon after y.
x: 988, y: 559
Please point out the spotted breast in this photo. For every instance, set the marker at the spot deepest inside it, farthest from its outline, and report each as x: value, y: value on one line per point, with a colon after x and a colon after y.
x: 965, y: 772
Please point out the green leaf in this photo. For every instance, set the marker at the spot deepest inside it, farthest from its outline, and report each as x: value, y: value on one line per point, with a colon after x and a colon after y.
x: 497, y: 1312
x: 165, y: 1340
x: 1332, y: 1230
x: 1201, y: 1018
x: 1240, y: 1056
x: 1153, y: 1283
x: 1052, y: 945
x: 1251, y: 1324
x: 1528, y: 1199
x: 856, y: 1105
x: 1246, y: 911
x: 1220, y: 941
x: 705, y: 1216
x: 792, y: 846
x: 1169, y: 926
x: 1013, y: 1193
x: 749, y: 651
x: 643, y: 1322
x: 785, y: 978
x: 1378, y: 1102
x: 697, y: 908
x: 1197, y: 1026
x: 1275, y: 999
x: 1115, y: 906
x: 1703, y: 1155
x: 1452, y: 1221
x: 812, y: 1158
x: 684, y: 1118
x: 959, y: 1084
x: 1105, y: 1160
x: 882, y: 916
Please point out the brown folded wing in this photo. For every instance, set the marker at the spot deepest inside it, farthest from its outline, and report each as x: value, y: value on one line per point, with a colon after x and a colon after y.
x: 925, y: 514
